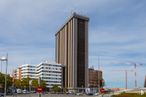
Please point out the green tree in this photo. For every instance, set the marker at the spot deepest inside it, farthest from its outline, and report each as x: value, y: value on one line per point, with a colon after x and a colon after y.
x: 43, y: 84
x: 2, y: 80
x: 56, y: 88
x: 17, y: 83
x: 35, y: 83
x: 9, y: 81
x: 25, y: 83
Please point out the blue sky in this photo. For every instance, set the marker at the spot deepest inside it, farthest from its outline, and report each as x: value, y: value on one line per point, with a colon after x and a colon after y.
x: 117, y: 33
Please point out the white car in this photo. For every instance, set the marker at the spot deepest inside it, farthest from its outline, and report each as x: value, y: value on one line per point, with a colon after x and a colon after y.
x: 19, y: 91
x: 24, y: 91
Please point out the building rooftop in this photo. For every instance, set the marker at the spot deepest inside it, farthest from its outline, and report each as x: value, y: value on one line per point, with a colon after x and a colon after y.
x: 94, y: 69
x: 26, y: 65
x: 74, y: 15
x: 48, y: 62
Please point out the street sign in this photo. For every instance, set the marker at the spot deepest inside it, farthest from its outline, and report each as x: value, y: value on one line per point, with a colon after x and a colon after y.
x: 39, y: 89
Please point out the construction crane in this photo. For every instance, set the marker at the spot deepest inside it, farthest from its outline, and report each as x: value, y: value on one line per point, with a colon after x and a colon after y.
x: 126, y: 76
x: 135, y: 70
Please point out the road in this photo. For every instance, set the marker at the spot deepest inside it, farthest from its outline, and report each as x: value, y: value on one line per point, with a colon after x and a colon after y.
x: 70, y: 95
x: 57, y: 95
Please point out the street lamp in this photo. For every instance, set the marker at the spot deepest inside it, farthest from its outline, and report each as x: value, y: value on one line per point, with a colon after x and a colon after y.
x: 30, y: 84
x: 6, y: 60
x: 1, y: 66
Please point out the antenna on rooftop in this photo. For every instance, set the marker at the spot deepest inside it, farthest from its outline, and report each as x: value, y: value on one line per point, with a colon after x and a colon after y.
x: 92, y: 67
x: 72, y: 12
x: 98, y: 62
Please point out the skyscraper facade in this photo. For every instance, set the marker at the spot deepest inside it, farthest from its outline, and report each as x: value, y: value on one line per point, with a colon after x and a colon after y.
x: 72, y: 51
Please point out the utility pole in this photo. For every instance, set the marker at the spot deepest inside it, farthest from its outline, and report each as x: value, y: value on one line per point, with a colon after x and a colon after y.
x: 39, y: 82
x: 6, y: 75
x: 30, y: 84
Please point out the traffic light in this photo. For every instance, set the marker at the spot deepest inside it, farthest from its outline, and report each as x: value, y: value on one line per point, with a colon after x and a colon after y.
x: 102, y: 83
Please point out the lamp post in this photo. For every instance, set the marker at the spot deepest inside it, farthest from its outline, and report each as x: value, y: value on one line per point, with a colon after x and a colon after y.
x: 30, y: 84
x: 39, y: 82
x: 6, y: 60
x: 1, y: 66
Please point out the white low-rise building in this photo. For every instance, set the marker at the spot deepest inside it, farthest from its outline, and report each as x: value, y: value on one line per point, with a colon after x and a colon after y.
x: 51, y: 73
x: 28, y: 71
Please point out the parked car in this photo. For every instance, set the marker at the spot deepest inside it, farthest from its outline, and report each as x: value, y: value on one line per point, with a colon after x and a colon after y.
x: 19, y: 91
x: 25, y: 92
x: 96, y: 94
x: 1, y: 94
x: 79, y: 94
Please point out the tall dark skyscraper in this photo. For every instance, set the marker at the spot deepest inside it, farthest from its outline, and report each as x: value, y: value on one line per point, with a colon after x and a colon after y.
x: 72, y: 51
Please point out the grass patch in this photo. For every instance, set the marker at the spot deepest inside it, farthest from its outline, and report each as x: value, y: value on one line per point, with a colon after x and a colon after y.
x: 129, y: 95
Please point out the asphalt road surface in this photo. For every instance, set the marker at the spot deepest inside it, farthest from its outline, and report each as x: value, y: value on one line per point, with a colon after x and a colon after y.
x: 56, y: 95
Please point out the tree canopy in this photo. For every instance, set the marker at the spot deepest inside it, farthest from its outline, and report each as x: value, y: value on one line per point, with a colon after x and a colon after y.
x: 24, y: 83
x: 2, y: 80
